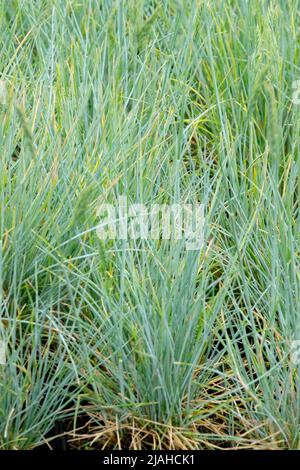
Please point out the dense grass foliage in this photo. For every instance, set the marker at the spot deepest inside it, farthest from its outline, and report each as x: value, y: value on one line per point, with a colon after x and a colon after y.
x: 141, y: 343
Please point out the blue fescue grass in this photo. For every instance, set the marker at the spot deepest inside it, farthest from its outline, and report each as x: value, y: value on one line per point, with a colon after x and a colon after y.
x: 152, y: 345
